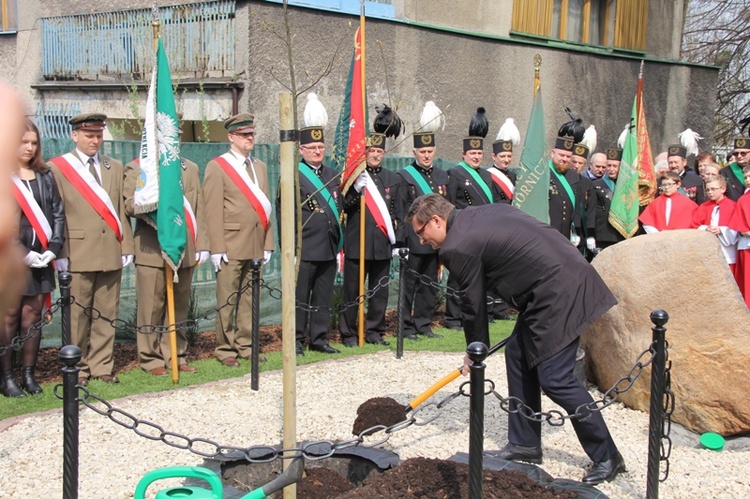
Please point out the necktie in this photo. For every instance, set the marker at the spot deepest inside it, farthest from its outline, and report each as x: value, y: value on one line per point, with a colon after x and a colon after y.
x: 92, y: 169
x: 251, y: 170
x: 317, y: 171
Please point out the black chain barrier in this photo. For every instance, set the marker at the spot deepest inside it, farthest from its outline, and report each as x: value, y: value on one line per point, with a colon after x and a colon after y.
x: 17, y: 342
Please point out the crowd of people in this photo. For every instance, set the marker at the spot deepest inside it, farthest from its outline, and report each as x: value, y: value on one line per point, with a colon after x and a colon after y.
x: 76, y: 214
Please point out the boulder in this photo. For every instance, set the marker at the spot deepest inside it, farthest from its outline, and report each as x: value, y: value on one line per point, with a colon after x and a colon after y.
x: 684, y: 273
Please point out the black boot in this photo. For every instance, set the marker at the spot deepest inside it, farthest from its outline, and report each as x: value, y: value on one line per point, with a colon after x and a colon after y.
x: 28, y: 381
x: 8, y: 386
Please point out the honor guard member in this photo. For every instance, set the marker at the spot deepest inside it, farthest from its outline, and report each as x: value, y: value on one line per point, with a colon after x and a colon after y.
x: 98, y: 242
x: 579, y: 161
x: 154, y: 351
x: 502, y: 155
x: 565, y: 196
x: 733, y: 172
x: 600, y: 232
x: 384, y: 233
x: 322, y: 237
x: 469, y: 185
x: 238, y: 213
x: 418, y: 179
x: 677, y: 161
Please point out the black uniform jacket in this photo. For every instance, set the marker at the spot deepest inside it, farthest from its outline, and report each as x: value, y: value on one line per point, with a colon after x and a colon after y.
x: 597, y: 214
x: 464, y: 191
x: 320, y: 228
x: 562, y: 212
x: 508, y: 173
x: 377, y: 245
x: 437, y: 179
x: 531, y: 267
x: 735, y: 187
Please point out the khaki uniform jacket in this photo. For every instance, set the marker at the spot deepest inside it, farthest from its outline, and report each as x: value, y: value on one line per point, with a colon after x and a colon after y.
x: 234, y: 226
x: 147, y: 249
x: 90, y: 244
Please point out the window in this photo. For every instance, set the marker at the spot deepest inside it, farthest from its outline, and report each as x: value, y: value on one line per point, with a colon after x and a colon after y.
x: 620, y: 24
x: 9, y: 16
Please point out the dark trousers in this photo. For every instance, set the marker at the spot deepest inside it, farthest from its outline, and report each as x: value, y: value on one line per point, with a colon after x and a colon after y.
x: 375, y: 270
x: 420, y: 298
x: 315, y: 287
x: 555, y: 376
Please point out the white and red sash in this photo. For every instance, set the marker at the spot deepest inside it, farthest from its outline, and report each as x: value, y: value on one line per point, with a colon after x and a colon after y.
x: 85, y: 183
x: 189, y: 215
x: 32, y: 211
x: 503, y: 182
x: 254, y: 195
x: 378, y: 208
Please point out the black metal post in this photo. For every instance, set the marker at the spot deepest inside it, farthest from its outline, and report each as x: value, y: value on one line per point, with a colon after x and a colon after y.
x: 403, y: 253
x: 656, y: 416
x: 64, y: 278
x: 477, y: 352
x: 255, y: 364
x: 70, y: 355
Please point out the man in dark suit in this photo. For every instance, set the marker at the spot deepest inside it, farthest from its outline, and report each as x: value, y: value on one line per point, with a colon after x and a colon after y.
x: 600, y: 233
x: 558, y: 295
x: 418, y: 179
x: 565, y: 196
x: 379, y: 248
x: 733, y: 172
x: 322, y: 239
x: 677, y: 162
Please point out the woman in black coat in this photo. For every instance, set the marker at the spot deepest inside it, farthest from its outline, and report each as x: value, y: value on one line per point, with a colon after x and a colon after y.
x: 34, y: 187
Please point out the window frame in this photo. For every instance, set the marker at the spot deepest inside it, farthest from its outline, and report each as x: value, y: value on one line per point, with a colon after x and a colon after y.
x: 8, y: 17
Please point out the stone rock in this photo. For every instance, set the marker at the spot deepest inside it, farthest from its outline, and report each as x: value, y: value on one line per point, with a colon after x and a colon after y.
x: 684, y: 273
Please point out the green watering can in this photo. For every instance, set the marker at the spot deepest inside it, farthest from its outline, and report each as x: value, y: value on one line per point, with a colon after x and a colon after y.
x: 292, y: 475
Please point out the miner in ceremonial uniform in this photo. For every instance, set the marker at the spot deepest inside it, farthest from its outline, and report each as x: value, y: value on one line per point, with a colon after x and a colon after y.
x: 499, y: 249
x: 677, y: 162
x: 98, y: 242
x: 502, y: 155
x: 733, y: 172
x: 322, y: 236
x: 469, y: 185
x: 154, y: 352
x: 418, y: 179
x: 565, y: 196
x: 384, y: 233
x: 600, y: 233
x: 238, y: 214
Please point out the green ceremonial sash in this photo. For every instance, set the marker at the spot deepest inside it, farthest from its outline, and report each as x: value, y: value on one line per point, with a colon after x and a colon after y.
x: 419, y: 179
x: 565, y: 185
x: 737, y: 172
x: 475, y: 175
x: 323, y: 191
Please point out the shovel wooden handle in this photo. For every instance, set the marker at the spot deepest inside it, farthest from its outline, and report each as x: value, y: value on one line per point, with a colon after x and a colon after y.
x: 417, y: 401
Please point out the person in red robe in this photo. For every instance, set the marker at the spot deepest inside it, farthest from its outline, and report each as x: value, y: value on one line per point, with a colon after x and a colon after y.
x: 713, y: 216
x: 740, y: 222
x: 669, y: 211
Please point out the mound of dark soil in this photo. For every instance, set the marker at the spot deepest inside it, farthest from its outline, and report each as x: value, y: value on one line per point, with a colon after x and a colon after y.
x: 378, y: 411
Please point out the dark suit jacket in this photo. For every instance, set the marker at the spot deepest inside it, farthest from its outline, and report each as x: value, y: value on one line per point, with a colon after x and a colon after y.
x: 377, y: 244
x: 562, y: 212
x: 437, y: 179
x: 464, y: 190
x: 532, y: 268
x: 597, y: 214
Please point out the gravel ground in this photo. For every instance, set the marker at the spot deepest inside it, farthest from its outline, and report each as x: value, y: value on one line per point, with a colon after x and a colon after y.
x: 113, y: 458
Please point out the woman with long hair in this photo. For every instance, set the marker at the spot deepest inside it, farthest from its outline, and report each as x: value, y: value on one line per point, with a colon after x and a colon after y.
x: 41, y: 234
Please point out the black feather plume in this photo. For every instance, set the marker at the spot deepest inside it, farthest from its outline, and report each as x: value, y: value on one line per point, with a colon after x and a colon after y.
x: 573, y: 128
x: 745, y: 126
x: 479, y: 125
x: 387, y: 122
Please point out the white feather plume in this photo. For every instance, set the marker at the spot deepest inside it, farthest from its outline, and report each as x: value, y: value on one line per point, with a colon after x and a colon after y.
x: 623, y: 137
x: 432, y: 118
x: 509, y: 131
x: 589, y: 138
x: 315, y: 114
x: 689, y: 139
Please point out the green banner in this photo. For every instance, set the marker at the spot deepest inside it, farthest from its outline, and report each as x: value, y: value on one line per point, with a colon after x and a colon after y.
x: 532, y: 184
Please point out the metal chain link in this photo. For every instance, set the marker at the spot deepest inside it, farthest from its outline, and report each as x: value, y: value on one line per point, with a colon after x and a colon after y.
x: 17, y: 342
x: 668, y: 409
x: 428, y: 281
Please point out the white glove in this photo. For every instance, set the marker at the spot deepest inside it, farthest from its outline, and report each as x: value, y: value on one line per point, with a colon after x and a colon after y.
x: 126, y: 260
x: 217, y: 258
x: 47, y: 257
x: 61, y: 264
x: 590, y: 243
x: 575, y: 239
x: 201, y: 257
x: 32, y: 259
x: 267, y: 256
x: 360, y: 182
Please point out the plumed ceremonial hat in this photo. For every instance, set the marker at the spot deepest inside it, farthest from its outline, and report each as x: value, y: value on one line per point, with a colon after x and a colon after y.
x: 315, y: 117
x: 564, y: 143
x: 581, y: 150
x: 677, y: 150
x: 507, y: 137
x: 478, y: 128
x: 614, y: 153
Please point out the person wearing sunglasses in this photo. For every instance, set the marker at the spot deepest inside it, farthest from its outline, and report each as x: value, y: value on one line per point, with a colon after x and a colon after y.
x: 669, y: 211
x: 733, y: 171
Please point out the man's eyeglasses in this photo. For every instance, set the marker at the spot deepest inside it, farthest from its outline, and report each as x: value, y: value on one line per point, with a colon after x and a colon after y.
x: 421, y: 231
x: 314, y: 148
x: 741, y: 153
x: 245, y: 135
x: 667, y: 185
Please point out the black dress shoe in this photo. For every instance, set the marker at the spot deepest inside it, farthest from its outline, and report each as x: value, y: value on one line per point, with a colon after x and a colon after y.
x: 350, y: 344
x: 412, y: 337
x: 324, y: 349
x: 455, y: 327
x: 300, y: 352
x: 380, y: 341
x: 430, y: 334
x: 604, y: 471
x: 519, y: 453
